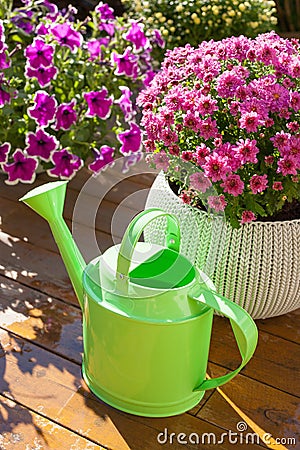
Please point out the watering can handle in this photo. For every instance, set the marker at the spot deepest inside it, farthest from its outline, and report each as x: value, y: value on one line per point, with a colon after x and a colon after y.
x: 244, y: 329
x: 132, y: 235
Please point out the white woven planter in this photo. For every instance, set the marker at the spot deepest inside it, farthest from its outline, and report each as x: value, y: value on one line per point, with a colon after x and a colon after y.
x: 257, y: 265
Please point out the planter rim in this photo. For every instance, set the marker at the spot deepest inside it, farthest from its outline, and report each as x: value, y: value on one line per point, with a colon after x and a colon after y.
x: 252, y: 224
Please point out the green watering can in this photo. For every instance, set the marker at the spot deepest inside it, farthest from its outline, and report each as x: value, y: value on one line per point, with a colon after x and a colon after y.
x: 147, y: 315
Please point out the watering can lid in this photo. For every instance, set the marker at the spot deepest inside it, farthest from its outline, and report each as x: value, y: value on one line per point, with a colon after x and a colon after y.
x: 143, y: 280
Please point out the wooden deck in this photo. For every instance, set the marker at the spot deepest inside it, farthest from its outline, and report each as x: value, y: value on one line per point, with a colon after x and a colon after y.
x: 45, y: 404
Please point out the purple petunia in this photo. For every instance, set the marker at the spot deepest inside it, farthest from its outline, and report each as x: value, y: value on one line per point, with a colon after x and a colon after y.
x: 131, y: 139
x: 125, y: 103
x: 4, y: 152
x: 21, y: 169
x: 105, y: 11
x: 23, y: 21
x: 108, y: 27
x: 126, y: 63
x: 66, y: 36
x: 4, y: 60
x: 94, y: 48
x: 99, y: 104
x: 148, y: 77
x: 137, y: 36
x: 158, y: 38
x: 103, y: 158
x: 65, y: 164
x: 44, y: 75
x: 130, y: 161
x: 41, y: 144
x: 44, y: 109
x: 39, y: 54
x: 65, y: 116
x: 4, y: 96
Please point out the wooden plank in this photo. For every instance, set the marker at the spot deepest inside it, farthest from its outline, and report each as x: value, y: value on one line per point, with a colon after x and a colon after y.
x: 286, y: 326
x: 44, y: 320
x: 25, y: 224
x: 44, y: 382
x: 261, y: 408
x: 275, y: 362
x: 22, y: 429
x: 37, y: 268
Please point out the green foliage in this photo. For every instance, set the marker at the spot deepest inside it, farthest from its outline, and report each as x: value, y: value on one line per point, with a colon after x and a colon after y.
x: 192, y: 21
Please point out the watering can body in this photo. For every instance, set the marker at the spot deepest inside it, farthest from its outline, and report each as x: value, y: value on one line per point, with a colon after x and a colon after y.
x: 142, y: 363
x: 147, y: 316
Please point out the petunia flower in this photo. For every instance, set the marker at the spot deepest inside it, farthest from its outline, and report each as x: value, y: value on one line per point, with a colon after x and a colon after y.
x: 131, y: 139
x: 44, y: 109
x: 42, y: 29
x: 65, y: 164
x: 23, y: 21
x: 105, y: 11
x: 40, y: 144
x: 4, y: 96
x: 4, y: 60
x: 44, y: 75
x: 94, y: 48
x: 125, y: 103
x: 4, y: 152
x: 157, y: 37
x: 65, y: 116
x: 126, y: 63
x: 148, y: 77
x: 130, y: 161
x: 39, y: 54
x: 108, y: 27
x: 98, y: 103
x: 137, y: 36
x: 67, y: 36
x: 103, y: 158
x: 21, y: 169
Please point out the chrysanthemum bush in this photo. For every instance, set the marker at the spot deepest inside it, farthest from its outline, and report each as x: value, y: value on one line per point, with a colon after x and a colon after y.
x: 191, y: 21
x: 67, y: 89
x: 231, y: 109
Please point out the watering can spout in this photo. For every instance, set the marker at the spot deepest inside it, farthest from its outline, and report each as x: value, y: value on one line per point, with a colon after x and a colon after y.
x: 48, y: 201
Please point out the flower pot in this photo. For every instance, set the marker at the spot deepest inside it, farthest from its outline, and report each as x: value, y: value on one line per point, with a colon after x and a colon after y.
x: 257, y: 266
